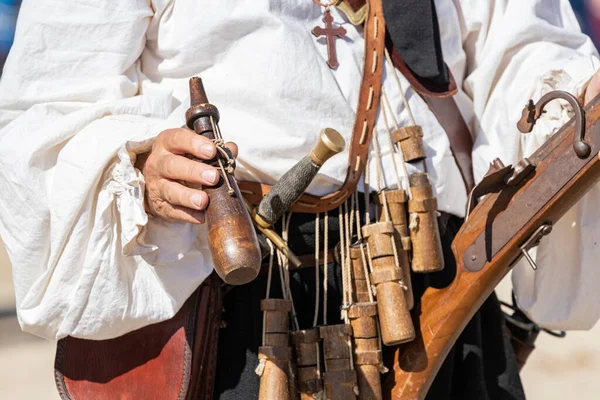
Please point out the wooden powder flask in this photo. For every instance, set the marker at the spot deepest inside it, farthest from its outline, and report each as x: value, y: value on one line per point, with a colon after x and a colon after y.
x: 367, y: 355
x: 410, y: 140
x: 425, y: 235
x: 394, y: 317
x: 306, y: 344
x: 274, y: 378
x: 340, y: 379
x: 275, y: 352
x: 397, y: 205
x: 233, y: 242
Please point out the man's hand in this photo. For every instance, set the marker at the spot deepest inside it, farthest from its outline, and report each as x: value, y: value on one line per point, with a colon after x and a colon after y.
x: 593, y: 88
x: 166, y: 168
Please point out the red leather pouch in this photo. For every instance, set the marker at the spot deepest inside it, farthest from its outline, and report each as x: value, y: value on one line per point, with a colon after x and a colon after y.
x: 170, y: 360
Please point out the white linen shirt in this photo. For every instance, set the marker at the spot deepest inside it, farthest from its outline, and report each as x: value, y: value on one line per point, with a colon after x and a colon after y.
x: 89, y: 83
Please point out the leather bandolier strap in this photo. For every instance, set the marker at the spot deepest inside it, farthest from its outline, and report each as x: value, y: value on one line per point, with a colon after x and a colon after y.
x: 439, y: 100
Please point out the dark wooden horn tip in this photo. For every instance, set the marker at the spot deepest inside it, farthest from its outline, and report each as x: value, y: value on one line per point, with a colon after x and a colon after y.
x: 197, y: 92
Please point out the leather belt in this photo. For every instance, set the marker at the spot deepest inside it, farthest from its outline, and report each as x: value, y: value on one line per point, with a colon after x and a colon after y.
x: 366, y: 113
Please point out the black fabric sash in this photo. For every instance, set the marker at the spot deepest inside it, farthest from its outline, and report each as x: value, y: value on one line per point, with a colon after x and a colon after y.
x: 414, y: 32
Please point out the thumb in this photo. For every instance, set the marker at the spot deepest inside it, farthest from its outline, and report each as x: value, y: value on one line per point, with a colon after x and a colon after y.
x: 233, y: 148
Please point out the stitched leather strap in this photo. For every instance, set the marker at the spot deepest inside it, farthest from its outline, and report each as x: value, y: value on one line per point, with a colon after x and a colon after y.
x: 461, y: 142
x: 439, y: 100
x: 368, y: 103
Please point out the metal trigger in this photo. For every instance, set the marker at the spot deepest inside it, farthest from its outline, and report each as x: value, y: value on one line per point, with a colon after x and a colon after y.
x: 533, y: 241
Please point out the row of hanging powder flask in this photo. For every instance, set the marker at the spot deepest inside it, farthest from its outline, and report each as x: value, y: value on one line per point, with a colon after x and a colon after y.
x: 324, y: 362
x: 425, y: 242
x: 405, y: 237
x: 344, y: 361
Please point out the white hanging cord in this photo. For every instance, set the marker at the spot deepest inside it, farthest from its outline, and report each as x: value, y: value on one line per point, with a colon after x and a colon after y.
x: 280, y: 262
x: 344, y: 311
x: 381, y: 183
x: 367, y: 193
x: 347, y: 274
x: 269, y: 278
x: 389, y: 106
x: 352, y: 216
x: 270, y: 274
x: 397, y: 78
x: 396, y: 257
x: 362, y: 253
x: 348, y: 232
x: 286, y: 268
x: 404, y: 100
x: 370, y: 264
x: 395, y: 149
x: 317, y: 280
x: 326, y: 267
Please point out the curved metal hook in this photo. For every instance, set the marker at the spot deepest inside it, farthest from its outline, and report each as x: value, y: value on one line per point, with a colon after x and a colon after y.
x: 532, y: 112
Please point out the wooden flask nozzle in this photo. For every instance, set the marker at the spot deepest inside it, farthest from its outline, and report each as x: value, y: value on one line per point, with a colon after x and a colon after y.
x: 394, y: 318
x: 396, y: 201
x: 274, y: 378
x: 232, y: 239
x: 339, y: 379
x: 276, y: 354
x: 367, y: 355
x: 424, y: 232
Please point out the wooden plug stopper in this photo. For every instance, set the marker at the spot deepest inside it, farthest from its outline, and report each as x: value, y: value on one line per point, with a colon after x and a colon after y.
x: 360, y: 287
x: 306, y: 344
x: 397, y: 207
x: 424, y: 232
x: 356, y: 260
x: 335, y: 345
x: 340, y: 385
x: 274, y: 378
x: 276, y: 315
x: 396, y: 203
x: 363, y: 318
x: 410, y: 140
x: 380, y: 239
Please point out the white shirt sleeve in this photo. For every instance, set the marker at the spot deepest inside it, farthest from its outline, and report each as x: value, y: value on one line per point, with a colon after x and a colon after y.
x: 74, y: 111
x: 517, y: 50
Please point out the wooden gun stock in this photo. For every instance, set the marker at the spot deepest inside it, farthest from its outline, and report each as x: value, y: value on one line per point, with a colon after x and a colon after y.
x: 521, y: 205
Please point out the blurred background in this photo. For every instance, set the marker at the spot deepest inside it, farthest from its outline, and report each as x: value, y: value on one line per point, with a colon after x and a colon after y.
x: 558, y: 369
